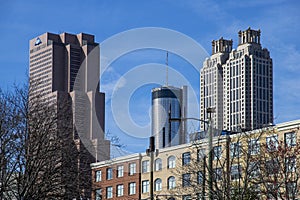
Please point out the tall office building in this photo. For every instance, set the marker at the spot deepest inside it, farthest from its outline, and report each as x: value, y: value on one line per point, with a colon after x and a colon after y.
x: 238, y: 83
x: 67, y: 66
x: 169, y: 102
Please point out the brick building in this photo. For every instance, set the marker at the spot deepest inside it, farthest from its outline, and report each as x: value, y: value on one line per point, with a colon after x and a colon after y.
x: 117, y: 178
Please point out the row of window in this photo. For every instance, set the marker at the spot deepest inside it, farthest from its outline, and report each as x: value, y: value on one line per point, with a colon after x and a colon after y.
x: 158, y: 164
x: 119, y: 191
x: 254, y: 145
x: 235, y: 151
x: 120, y: 172
x: 158, y: 184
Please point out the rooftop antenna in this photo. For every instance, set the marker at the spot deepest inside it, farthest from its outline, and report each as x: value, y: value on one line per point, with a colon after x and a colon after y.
x: 167, y: 65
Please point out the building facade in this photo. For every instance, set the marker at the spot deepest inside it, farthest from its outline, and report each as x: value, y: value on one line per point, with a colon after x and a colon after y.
x: 169, y: 102
x: 238, y: 83
x: 258, y: 164
x: 65, y: 68
x: 117, y: 178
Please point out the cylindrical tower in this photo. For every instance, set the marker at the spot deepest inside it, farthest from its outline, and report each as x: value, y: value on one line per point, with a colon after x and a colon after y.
x: 168, y: 101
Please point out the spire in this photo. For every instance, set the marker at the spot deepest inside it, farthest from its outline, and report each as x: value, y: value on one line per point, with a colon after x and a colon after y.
x: 167, y: 70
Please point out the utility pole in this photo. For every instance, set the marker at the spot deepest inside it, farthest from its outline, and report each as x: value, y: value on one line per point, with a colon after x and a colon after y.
x: 150, y: 152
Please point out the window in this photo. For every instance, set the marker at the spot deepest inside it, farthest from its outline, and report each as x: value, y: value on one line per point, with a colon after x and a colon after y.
x: 217, y: 152
x: 272, y: 190
x: 254, y: 147
x: 186, y: 197
x: 186, y: 180
x: 109, y: 192
x: 272, y: 142
x: 145, y: 166
x: 171, y: 182
x: 235, y: 149
x: 200, y: 177
x: 132, y: 168
x: 120, y: 171
x: 98, y: 194
x: 217, y: 174
x: 157, y: 185
x: 145, y: 186
x: 132, y: 188
x: 109, y: 173
x: 186, y: 158
x: 290, y: 164
x: 290, y: 139
x: 98, y: 176
x: 272, y: 166
x: 120, y: 190
x: 158, y: 164
x: 235, y: 172
x: 200, y: 154
x: 171, y: 162
x: 291, y: 190
x: 253, y: 169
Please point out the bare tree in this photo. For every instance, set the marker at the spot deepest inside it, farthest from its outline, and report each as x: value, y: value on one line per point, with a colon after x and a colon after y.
x: 248, y: 165
x: 39, y: 155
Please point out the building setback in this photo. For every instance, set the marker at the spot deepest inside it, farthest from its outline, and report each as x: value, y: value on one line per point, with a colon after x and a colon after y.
x: 65, y: 68
x: 238, y: 83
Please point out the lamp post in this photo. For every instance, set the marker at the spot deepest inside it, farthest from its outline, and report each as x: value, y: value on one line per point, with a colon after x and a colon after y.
x: 210, y: 152
x: 210, y: 136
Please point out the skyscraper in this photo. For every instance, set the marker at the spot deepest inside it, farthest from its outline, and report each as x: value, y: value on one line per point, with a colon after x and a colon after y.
x: 168, y: 101
x: 67, y: 65
x: 238, y: 83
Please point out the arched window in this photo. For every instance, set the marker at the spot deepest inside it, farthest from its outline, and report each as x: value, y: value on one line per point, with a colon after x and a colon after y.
x: 157, y: 184
x: 171, y: 162
x: 158, y: 164
x: 171, y: 182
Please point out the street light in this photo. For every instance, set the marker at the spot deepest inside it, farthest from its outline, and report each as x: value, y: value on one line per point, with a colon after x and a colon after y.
x: 209, y: 111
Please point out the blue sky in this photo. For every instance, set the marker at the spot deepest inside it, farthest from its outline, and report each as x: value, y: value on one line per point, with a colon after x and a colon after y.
x: 202, y: 20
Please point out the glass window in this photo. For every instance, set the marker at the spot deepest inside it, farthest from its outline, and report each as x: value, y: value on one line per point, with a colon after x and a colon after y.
x: 145, y: 186
x: 98, y: 176
x: 171, y: 182
x: 186, y: 180
x: 200, y: 154
x: 98, y: 194
x: 120, y: 190
x: 109, y: 173
x: 157, y: 185
x: 120, y: 171
x: 171, y: 162
x: 145, y: 166
x: 290, y: 164
x: 132, y: 168
x: 217, y: 174
x: 253, y: 169
x: 186, y: 158
x: 235, y: 172
x: 291, y: 190
x: 272, y: 142
x: 272, y: 166
x: 186, y: 197
x: 217, y: 152
x: 254, y: 147
x: 290, y: 139
x: 235, y: 149
x: 109, y: 192
x: 158, y: 164
x: 200, y: 177
x: 132, y: 188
